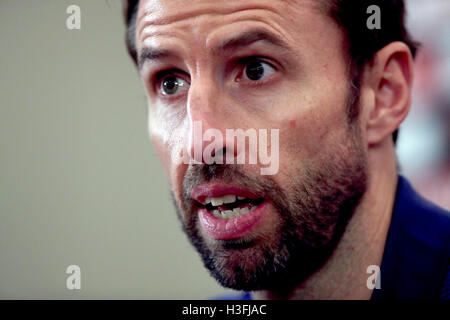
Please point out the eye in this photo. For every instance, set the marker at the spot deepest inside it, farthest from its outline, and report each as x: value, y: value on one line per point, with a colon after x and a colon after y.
x: 171, y: 85
x: 256, y: 70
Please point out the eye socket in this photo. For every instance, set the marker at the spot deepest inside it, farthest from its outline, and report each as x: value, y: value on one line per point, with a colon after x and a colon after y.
x: 256, y: 70
x: 171, y: 85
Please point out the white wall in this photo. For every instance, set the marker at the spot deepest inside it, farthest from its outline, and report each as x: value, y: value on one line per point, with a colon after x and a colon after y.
x: 79, y: 181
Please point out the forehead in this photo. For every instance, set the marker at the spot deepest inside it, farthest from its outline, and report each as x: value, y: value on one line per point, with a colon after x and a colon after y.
x: 201, y: 16
x: 174, y: 8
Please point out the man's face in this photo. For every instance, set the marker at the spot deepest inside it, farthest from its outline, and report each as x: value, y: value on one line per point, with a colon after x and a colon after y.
x: 254, y: 65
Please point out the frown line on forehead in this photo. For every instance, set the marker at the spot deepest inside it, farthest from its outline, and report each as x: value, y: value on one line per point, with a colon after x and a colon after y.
x: 158, y: 13
x: 246, y: 38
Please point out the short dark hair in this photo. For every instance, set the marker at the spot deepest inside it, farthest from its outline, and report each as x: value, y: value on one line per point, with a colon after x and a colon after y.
x: 351, y: 15
x: 130, y: 8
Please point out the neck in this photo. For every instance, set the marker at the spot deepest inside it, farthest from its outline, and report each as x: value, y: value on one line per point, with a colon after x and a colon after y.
x: 345, y: 274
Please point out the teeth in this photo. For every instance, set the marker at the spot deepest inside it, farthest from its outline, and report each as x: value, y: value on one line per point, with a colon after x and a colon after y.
x: 227, y: 199
x: 218, y: 201
x: 244, y: 210
x: 227, y: 214
x: 230, y: 214
x: 217, y: 214
x: 230, y: 198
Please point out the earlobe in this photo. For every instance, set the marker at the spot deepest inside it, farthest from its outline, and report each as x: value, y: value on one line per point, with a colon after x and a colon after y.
x: 391, y: 81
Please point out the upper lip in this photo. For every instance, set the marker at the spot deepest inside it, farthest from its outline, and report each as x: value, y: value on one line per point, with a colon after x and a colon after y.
x: 200, y: 193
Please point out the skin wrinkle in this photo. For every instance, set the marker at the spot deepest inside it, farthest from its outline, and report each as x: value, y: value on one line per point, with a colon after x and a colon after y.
x: 207, y: 11
x: 318, y: 218
x: 215, y: 49
x: 255, y: 110
x: 242, y: 40
x: 146, y: 15
x: 284, y: 35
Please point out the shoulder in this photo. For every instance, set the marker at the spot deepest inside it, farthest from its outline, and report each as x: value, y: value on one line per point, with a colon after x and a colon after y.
x: 416, y: 256
x: 234, y: 296
x: 420, y: 219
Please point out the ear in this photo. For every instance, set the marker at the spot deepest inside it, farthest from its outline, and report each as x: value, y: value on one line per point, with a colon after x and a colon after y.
x: 390, y: 78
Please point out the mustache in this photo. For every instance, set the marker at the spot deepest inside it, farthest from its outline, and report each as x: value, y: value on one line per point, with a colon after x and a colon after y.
x: 232, y: 174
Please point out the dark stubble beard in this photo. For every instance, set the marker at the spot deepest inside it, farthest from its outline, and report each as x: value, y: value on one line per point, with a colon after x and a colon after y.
x: 313, y: 214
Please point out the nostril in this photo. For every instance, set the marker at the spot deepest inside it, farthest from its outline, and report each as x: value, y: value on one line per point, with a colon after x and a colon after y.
x: 219, y: 155
x: 220, y: 152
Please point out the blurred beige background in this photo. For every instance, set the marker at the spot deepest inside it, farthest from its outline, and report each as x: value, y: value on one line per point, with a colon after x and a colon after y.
x: 79, y: 181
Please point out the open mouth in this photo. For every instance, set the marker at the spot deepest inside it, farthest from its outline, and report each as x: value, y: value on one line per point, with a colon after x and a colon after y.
x: 228, y: 212
x: 231, y: 206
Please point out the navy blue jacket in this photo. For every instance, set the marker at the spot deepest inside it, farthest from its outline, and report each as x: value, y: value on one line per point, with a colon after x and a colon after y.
x: 415, y: 264
x: 416, y: 256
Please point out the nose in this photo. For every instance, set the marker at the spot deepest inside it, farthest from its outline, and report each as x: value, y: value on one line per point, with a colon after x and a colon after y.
x: 209, y: 116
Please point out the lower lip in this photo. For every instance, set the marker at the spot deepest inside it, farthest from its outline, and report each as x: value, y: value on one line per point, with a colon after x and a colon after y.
x: 226, y: 229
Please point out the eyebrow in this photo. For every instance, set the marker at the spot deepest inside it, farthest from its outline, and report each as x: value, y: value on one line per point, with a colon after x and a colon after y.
x: 248, y: 37
x: 152, y: 53
x: 241, y: 40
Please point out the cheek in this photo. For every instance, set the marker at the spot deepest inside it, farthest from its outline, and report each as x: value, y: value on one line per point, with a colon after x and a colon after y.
x: 162, y: 151
x: 174, y: 171
x: 316, y: 126
x: 163, y: 121
x: 167, y: 131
